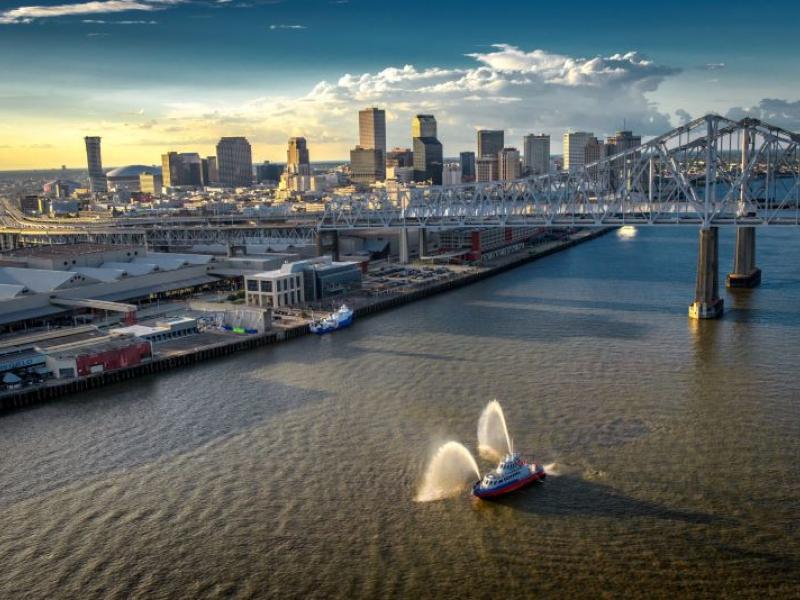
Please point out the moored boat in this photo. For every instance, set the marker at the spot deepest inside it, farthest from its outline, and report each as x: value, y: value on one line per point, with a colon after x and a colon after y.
x: 513, y: 473
x: 338, y: 320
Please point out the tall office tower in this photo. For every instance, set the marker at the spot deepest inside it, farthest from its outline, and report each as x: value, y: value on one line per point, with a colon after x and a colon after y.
x: 537, y: 154
x: 170, y: 169
x: 268, y: 171
x: 593, y: 150
x: 400, y: 157
x: 621, y: 141
x: 486, y: 168
x: 372, y: 129
x: 235, y: 162
x: 428, y: 155
x: 423, y: 126
x: 210, y: 171
x: 467, y: 166
x: 297, y: 160
x: 575, y: 149
x: 367, y: 165
x: 368, y: 159
x: 508, y: 164
x: 97, y: 179
x: 451, y: 174
x: 181, y: 169
x: 490, y: 142
x: 192, y: 169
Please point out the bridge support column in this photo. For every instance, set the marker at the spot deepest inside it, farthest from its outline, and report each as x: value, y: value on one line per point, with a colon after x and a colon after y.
x: 745, y: 273
x: 404, y: 257
x: 707, y: 303
x: 335, y: 245
x: 423, y: 242
x: 318, y: 244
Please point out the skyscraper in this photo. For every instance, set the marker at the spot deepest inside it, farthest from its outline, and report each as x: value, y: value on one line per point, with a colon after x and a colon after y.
x: 372, y: 129
x: 368, y: 159
x: 621, y: 141
x: 297, y: 160
x: 367, y: 165
x: 428, y: 156
x: 575, y: 149
x: 508, y: 164
x: 451, y: 174
x: 210, y: 171
x: 423, y: 126
x: 537, y: 154
x: 486, y: 168
x: 268, y: 171
x: 97, y: 179
x: 181, y: 169
x: 400, y: 157
x: 467, y: 166
x: 593, y: 150
x: 235, y: 162
x: 490, y: 142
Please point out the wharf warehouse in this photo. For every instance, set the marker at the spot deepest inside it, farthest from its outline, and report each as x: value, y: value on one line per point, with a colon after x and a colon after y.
x: 51, y: 284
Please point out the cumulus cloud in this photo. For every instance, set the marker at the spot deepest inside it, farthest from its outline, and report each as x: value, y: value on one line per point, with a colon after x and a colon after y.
x: 683, y: 116
x: 27, y: 14
x: 273, y: 27
x: 783, y: 113
x: 505, y: 88
x: 713, y: 66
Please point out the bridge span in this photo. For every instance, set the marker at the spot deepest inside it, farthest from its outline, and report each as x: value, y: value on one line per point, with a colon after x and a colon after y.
x: 710, y: 173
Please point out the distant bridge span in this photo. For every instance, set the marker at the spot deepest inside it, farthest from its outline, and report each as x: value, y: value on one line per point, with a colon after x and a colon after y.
x: 712, y: 172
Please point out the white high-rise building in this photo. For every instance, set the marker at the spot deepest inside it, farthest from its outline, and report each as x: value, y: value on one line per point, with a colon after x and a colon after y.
x: 451, y: 174
x: 537, y: 154
x: 575, y: 149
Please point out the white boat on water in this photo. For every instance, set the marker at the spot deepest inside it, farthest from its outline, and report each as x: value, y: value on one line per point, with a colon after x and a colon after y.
x: 338, y: 320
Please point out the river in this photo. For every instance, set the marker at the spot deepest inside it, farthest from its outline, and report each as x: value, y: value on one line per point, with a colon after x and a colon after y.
x: 291, y: 471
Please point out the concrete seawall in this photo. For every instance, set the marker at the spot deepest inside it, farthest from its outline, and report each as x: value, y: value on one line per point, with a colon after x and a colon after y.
x: 58, y: 389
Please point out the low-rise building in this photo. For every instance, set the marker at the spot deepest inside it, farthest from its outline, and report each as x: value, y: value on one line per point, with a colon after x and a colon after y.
x: 87, y: 357
x: 162, y: 331
x: 301, y: 281
x: 272, y: 289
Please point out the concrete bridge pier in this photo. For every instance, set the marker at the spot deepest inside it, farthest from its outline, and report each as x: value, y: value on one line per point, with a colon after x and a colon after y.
x: 707, y: 303
x: 423, y: 242
x: 404, y: 254
x: 332, y: 245
x: 335, y: 245
x: 745, y: 273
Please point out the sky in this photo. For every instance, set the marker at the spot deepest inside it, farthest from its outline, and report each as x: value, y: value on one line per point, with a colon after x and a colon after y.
x: 151, y: 76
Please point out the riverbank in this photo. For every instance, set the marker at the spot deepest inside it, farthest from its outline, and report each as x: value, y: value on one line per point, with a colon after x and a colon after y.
x: 367, y: 306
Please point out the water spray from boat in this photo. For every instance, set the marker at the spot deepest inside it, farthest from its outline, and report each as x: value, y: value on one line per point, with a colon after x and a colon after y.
x: 450, y: 472
x: 493, y: 439
x: 453, y: 467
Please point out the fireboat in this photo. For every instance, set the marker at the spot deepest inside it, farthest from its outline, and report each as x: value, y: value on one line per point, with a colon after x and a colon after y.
x: 513, y: 473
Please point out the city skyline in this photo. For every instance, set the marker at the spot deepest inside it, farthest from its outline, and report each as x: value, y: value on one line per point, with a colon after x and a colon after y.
x: 257, y: 74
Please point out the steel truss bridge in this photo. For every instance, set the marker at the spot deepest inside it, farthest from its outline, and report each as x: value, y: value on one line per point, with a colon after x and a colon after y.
x: 712, y: 172
x: 709, y: 172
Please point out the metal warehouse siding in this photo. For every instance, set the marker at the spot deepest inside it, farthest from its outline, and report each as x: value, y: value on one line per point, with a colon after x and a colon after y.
x: 113, y: 359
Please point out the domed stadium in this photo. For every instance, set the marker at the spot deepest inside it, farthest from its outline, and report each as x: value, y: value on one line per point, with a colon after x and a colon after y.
x: 127, y: 177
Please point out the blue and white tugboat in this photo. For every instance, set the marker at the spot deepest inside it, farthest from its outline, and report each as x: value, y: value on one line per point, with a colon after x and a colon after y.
x: 513, y: 473
x: 338, y: 320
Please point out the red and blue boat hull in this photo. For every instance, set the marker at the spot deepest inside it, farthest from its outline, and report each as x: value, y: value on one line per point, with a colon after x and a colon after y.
x: 495, y: 492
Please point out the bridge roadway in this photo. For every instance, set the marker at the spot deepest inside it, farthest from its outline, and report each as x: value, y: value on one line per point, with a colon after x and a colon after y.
x: 710, y: 173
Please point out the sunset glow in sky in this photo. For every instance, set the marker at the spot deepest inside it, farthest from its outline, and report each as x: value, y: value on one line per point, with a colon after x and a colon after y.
x: 156, y: 75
